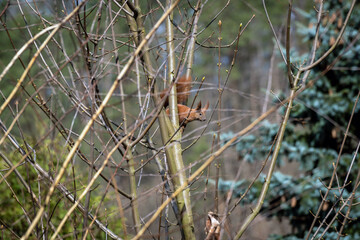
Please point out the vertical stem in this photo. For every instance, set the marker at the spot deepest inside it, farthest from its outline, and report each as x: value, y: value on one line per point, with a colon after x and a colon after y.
x: 171, y: 66
x: 191, y: 47
x: 216, y: 208
x: 265, y: 188
x: 288, y: 62
x: 174, y: 151
x: 133, y: 189
x: 90, y: 168
x: 129, y: 156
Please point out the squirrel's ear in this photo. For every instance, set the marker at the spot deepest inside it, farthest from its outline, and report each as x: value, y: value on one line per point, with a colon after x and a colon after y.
x: 206, y: 106
x: 198, y: 106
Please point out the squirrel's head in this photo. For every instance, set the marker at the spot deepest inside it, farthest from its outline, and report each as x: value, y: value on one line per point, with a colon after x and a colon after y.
x: 200, y: 112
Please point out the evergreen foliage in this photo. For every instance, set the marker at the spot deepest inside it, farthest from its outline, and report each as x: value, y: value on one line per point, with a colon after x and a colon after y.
x: 314, y: 136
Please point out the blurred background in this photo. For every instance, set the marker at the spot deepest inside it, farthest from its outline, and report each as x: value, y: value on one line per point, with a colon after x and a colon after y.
x: 76, y: 68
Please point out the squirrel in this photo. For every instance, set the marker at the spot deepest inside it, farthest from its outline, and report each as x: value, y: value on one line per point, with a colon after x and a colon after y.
x: 185, y: 113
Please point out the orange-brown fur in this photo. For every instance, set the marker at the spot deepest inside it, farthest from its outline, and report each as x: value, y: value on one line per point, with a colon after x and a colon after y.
x: 183, y: 87
x: 185, y: 113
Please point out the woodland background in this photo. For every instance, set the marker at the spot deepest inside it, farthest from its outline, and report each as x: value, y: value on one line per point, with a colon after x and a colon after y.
x: 277, y: 157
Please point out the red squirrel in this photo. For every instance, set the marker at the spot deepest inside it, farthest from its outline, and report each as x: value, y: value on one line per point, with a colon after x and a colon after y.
x: 185, y: 113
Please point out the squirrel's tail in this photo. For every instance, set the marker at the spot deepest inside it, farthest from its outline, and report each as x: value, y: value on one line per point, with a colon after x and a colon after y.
x: 183, y: 87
